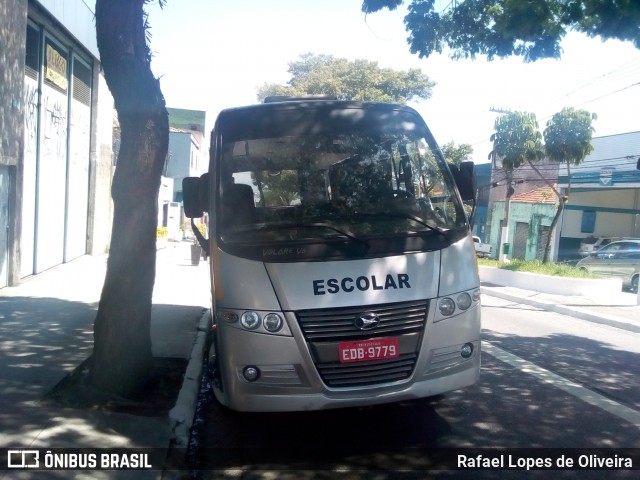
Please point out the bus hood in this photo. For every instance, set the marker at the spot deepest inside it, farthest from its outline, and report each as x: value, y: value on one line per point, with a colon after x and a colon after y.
x: 249, y: 284
x: 357, y: 282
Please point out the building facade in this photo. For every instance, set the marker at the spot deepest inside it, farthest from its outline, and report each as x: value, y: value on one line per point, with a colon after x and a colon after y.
x: 187, y: 156
x: 530, y: 216
x: 525, y: 179
x: 605, y: 193
x: 184, y: 159
x: 603, y: 200
x: 56, y: 157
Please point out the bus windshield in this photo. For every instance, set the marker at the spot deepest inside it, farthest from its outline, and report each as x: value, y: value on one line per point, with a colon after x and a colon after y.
x: 344, y: 173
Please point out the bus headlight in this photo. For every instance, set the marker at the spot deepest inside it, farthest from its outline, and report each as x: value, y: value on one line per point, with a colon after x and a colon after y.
x: 446, y: 306
x: 463, y: 301
x: 228, y: 316
x: 250, y: 320
x: 272, y: 322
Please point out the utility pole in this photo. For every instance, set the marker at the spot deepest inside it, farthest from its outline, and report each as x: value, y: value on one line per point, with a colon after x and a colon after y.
x: 503, y: 256
x: 504, y: 234
x: 501, y: 111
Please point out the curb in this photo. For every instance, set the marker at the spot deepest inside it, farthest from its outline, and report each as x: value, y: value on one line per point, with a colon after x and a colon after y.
x: 564, y: 310
x: 181, y: 415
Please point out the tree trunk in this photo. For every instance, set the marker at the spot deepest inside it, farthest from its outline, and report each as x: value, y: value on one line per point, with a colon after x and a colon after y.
x: 122, y: 341
x: 562, y: 200
x: 554, y: 222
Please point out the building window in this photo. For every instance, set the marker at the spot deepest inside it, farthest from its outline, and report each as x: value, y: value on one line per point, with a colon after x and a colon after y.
x: 588, y: 221
x: 32, y: 58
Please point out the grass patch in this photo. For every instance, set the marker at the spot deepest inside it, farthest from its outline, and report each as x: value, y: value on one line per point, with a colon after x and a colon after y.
x: 536, y: 266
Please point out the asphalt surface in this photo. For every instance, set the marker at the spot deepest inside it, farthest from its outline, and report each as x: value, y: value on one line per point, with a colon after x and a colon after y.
x: 46, y: 331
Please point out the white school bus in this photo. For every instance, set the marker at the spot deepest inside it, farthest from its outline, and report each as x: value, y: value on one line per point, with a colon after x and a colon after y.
x: 343, y: 272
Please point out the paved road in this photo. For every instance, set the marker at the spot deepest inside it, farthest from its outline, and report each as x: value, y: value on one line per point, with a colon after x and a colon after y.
x: 548, y: 381
x: 600, y: 358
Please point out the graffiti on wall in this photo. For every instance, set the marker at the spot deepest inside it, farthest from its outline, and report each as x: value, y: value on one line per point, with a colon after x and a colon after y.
x: 30, y: 116
x: 54, y: 124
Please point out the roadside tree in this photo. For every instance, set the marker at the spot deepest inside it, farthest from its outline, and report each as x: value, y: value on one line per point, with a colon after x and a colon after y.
x: 532, y: 29
x: 516, y: 140
x: 359, y: 80
x: 457, y: 155
x: 122, y: 341
x: 567, y: 139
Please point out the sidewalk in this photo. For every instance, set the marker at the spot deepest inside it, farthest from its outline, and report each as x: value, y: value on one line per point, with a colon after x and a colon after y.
x: 46, y: 331
x: 619, y: 311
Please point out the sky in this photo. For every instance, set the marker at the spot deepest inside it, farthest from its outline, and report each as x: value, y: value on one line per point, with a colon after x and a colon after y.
x: 211, y: 55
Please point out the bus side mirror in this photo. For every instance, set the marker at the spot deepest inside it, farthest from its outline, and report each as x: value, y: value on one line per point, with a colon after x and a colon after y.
x: 465, y: 178
x: 195, y: 195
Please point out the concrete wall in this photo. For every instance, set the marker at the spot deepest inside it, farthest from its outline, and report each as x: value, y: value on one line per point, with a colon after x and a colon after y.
x: 101, y: 170
x: 551, y: 284
x: 13, y: 24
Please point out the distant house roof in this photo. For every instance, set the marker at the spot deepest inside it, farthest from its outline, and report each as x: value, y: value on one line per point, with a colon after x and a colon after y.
x: 187, y: 119
x: 539, y: 195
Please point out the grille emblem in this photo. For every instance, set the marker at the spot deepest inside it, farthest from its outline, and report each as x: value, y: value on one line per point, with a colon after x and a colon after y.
x: 367, y: 321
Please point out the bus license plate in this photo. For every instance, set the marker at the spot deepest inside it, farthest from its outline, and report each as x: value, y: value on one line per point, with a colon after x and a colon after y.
x: 367, y: 350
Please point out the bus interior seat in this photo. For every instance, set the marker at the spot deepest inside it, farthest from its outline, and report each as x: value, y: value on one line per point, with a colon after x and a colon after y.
x: 239, y: 204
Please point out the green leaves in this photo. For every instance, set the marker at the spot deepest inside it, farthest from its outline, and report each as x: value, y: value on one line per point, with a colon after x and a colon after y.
x: 372, y: 6
x: 359, y: 80
x: 532, y: 29
x: 456, y: 155
x: 568, y: 136
x: 516, y: 140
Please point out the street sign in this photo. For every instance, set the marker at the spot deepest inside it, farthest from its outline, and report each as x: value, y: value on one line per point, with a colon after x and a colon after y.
x: 606, y: 176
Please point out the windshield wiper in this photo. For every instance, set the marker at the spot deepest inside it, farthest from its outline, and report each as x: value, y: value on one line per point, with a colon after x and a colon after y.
x: 408, y: 216
x: 345, y: 233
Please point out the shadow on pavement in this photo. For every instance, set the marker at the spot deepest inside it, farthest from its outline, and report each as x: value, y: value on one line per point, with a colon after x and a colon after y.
x: 43, y: 341
x: 507, y: 409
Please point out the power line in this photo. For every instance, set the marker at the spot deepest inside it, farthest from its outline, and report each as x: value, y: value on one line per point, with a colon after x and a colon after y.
x: 608, y: 94
x: 637, y: 59
x: 584, y: 166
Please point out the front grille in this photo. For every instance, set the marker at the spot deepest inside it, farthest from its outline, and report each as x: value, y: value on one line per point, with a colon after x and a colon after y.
x: 324, y: 328
x: 367, y: 373
x: 336, y: 324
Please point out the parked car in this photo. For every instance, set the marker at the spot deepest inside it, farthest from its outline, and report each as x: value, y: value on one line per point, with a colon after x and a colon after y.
x: 618, y: 260
x: 592, y: 244
x: 482, y: 249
